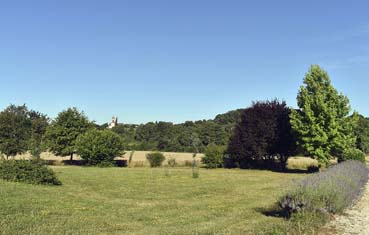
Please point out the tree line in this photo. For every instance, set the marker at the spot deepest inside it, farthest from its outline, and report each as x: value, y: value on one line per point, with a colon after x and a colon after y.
x: 185, y: 137
x: 323, y: 127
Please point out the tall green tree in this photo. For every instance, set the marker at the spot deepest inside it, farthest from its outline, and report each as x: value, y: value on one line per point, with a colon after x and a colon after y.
x: 322, y: 123
x: 15, y: 130
x: 63, y: 132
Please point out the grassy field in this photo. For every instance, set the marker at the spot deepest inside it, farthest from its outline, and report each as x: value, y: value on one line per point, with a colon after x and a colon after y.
x: 142, y: 201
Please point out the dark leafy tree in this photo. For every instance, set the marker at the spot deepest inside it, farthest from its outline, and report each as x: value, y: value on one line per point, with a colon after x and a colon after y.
x: 63, y: 132
x: 15, y: 130
x: 262, y: 138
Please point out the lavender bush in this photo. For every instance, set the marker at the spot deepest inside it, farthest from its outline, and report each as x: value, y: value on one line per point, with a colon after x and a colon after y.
x: 329, y: 192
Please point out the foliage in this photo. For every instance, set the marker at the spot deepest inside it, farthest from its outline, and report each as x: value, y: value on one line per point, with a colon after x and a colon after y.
x: 99, y: 147
x: 213, y: 156
x: 28, y: 171
x: 230, y: 117
x: 62, y: 133
x: 322, y: 124
x: 330, y: 191
x: 39, y: 124
x: 185, y: 137
x: 353, y: 154
x: 155, y: 159
x: 262, y: 138
x: 303, y: 223
x: 15, y: 130
x: 362, y: 134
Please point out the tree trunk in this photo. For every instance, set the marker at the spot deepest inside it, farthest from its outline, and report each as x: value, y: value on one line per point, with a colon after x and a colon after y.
x: 71, y: 157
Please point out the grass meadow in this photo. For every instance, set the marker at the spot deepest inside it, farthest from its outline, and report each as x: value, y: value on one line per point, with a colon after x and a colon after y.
x: 142, y: 201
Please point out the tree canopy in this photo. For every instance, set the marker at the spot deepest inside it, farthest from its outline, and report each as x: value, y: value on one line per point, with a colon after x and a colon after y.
x: 64, y: 130
x: 15, y: 130
x: 322, y: 123
x: 262, y: 138
x: 99, y: 146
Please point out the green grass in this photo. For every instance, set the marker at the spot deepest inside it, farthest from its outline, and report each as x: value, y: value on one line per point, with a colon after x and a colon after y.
x: 142, y: 201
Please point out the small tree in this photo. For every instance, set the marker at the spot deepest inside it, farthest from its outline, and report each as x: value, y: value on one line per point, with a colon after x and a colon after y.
x: 213, y: 156
x: 63, y: 132
x: 262, y: 138
x: 39, y: 124
x: 155, y: 159
x: 99, y: 146
x: 15, y: 130
x: 322, y: 123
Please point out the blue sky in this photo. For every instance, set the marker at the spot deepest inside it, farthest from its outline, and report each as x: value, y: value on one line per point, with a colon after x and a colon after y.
x: 176, y: 60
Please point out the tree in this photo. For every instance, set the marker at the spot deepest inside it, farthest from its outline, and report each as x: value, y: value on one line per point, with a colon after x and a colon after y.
x: 213, y: 156
x: 39, y: 124
x: 99, y: 146
x: 362, y: 134
x: 63, y: 132
x: 322, y: 123
x: 15, y: 130
x: 262, y: 138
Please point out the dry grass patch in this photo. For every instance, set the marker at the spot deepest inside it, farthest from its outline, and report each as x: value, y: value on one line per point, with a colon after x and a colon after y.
x: 301, y: 163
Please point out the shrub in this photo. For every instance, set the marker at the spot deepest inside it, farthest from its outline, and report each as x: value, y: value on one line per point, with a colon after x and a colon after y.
x: 213, y: 156
x: 28, y: 171
x: 352, y: 154
x: 155, y: 159
x: 99, y: 147
x: 172, y: 162
x: 330, y: 191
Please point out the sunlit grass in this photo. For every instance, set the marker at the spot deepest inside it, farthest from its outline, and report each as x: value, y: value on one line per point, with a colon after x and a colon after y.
x: 142, y: 201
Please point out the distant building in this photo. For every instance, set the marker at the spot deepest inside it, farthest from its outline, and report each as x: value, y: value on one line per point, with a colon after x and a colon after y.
x: 113, y: 123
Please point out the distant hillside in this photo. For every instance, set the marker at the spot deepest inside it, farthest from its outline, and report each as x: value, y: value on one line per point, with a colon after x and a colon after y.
x: 189, y: 136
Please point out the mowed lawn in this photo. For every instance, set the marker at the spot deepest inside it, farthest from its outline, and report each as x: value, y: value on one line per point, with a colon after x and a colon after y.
x: 142, y: 201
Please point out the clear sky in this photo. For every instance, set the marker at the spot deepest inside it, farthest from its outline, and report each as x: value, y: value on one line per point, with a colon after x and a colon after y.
x: 177, y: 60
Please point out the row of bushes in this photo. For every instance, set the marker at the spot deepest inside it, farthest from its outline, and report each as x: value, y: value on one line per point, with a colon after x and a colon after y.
x: 314, y: 198
x: 28, y: 171
x: 329, y: 191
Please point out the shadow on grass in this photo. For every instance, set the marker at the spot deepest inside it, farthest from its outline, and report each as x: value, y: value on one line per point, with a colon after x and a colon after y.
x: 117, y: 163
x: 272, y: 212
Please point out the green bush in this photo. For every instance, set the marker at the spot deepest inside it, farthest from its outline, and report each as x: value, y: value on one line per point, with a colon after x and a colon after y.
x: 28, y: 171
x: 353, y: 154
x: 99, y: 147
x: 213, y: 156
x: 155, y: 159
